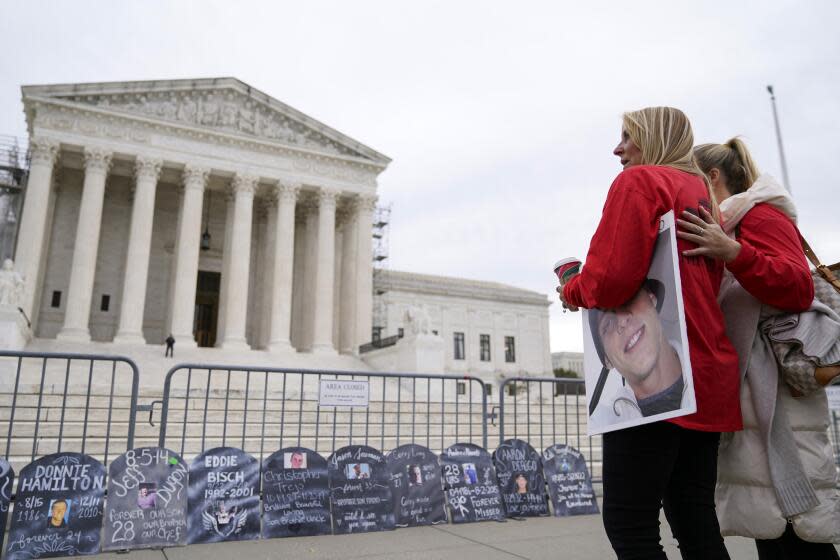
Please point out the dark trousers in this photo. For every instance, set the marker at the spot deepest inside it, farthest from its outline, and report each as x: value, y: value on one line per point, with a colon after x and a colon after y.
x: 791, y: 547
x: 170, y: 350
x: 656, y: 465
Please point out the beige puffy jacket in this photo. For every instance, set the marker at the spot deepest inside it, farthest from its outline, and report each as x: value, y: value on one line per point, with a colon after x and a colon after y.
x: 746, y: 502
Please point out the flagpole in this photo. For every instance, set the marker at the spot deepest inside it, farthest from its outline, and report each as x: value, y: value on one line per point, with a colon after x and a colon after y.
x: 779, y: 138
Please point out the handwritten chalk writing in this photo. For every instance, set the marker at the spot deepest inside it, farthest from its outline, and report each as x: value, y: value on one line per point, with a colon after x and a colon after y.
x: 129, y: 480
x: 172, y: 487
x: 53, y: 478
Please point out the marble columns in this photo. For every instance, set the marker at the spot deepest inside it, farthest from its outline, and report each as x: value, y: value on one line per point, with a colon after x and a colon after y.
x: 146, y: 173
x: 239, y: 261
x: 284, y: 250
x: 33, y: 236
x: 83, y: 268
x: 348, y: 299
x: 186, y: 256
x: 364, y: 274
x: 324, y: 274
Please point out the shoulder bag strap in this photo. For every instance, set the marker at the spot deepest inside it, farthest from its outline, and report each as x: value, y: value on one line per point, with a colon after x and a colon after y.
x: 823, y: 270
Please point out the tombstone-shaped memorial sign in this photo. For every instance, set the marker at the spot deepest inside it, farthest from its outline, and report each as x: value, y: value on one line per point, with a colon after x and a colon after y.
x: 58, y: 508
x: 416, y: 486
x: 469, y: 480
x: 296, y: 494
x: 7, y: 480
x: 224, y: 497
x: 147, y: 500
x: 360, y: 490
x: 519, y: 470
x: 568, y: 479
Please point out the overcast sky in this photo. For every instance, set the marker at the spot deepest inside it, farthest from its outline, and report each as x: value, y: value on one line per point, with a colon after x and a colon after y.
x: 500, y: 117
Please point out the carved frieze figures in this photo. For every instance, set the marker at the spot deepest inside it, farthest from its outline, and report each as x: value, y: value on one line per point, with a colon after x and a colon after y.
x: 230, y: 111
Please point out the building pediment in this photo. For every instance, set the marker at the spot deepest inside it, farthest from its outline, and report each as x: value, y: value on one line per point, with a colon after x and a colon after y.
x: 226, y: 105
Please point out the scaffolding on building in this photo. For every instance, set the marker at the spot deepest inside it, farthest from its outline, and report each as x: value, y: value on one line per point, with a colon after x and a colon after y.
x: 381, y: 222
x: 14, y: 168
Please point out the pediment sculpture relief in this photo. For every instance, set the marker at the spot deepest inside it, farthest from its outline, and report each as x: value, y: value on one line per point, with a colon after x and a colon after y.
x: 221, y: 110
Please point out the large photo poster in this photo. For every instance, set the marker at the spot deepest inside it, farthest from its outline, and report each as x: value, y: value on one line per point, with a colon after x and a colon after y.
x: 636, y: 361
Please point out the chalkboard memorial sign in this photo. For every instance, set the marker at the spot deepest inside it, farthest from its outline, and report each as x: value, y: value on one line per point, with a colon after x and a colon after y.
x: 296, y: 494
x: 520, y: 474
x: 469, y: 480
x: 58, y: 508
x: 568, y: 479
x: 147, y: 500
x: 224, y: 497
x: 7, y: 480
x: 360, y: 490
x: 416, y: 486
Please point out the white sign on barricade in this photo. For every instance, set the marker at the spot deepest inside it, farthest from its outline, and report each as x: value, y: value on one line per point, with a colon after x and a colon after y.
x: 833, y: 397
x: 342, y: 392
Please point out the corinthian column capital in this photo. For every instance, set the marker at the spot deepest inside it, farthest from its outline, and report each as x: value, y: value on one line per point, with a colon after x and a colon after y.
x: 287, y: 191
x: 367, y: 202
x: 43, y: 151
x: 195, y: 177
x: 97, y: 159
x: 147, y: 168
x: 327, y: 197
x: 244, y: 184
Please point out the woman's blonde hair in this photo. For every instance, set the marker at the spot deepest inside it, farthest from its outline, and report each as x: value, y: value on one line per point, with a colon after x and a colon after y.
x: 664, y: 136
x: 732, y: 159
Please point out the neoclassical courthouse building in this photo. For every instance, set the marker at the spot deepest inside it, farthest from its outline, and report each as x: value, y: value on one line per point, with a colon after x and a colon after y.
x: 210, y: 210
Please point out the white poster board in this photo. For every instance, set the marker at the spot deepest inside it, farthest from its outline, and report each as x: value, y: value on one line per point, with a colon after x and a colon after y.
x: 343, y: 392
x: 833, y: 398
x: 636, y: 360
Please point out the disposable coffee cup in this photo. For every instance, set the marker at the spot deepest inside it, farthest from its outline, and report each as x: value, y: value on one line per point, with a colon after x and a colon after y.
x: 566, y: 268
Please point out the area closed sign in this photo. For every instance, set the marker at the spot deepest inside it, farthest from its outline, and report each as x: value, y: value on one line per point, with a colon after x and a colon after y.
x: 339, y: 392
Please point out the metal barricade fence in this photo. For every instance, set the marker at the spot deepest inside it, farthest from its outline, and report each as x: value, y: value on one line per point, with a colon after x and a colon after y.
x: 261, y: 410
x: 548, y: 410
x: 53, y: 402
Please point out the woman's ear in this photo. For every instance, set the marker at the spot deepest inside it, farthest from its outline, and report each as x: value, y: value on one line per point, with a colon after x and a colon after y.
x: 714, y: 176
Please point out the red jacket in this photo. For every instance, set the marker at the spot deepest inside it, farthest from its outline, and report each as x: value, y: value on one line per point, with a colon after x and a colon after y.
x: 617, y: 263
x: 771, y: 265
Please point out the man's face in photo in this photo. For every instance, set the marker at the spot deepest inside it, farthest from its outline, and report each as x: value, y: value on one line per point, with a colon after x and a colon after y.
x: 632, y: 337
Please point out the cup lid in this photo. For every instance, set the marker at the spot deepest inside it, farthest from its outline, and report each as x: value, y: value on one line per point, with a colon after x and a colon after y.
x: 567, y: 260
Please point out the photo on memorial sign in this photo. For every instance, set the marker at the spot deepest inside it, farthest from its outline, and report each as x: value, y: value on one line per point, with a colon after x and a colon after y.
x: 294, y: 460
x: 357, y: 471
x: 569, y: 484
x: 470, y: 474
x: 7, y: 481
x: 520, y: 474
x: 296, y: 499
x: 146, y: 495
x: 224, y: 496
x: 636, y: 362
x: 360, y: 490
x: 470, y: 484
x: 415, y: 477
x: 147, y: 500
x: 58, y: 515
x: 58, y: 508
x: 416, y: 486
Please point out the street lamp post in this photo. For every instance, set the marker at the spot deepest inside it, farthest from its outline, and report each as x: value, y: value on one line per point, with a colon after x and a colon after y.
x: 779, y: 138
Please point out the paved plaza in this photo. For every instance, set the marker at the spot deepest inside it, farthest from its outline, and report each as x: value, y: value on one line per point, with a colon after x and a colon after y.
x: 575, y: 538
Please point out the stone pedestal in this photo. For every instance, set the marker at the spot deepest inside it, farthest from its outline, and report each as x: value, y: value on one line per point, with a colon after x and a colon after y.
x: 421, y: 353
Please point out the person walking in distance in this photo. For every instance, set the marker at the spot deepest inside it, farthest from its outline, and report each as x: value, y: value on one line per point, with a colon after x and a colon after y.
x: 670, y: 463
x: 170, y: 346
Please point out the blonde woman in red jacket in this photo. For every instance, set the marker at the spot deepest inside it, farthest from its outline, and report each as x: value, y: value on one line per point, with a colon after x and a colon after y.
x: 669, y: 463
